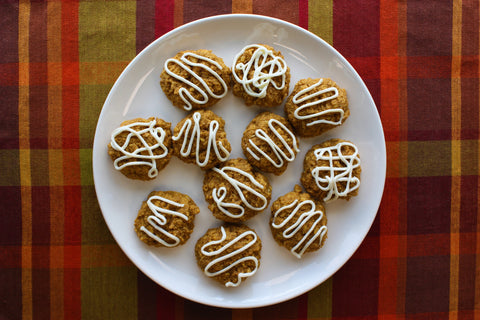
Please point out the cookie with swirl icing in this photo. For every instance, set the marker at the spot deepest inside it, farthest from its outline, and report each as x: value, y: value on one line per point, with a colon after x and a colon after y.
x: 229, y: 254
x: 331, y: 170
x: 298, y: 222
x: 269, y: 143
x: 141, y: 148
x: 236, y: 192
x: 166, y: 219
x: 315, y: 106
x: 261, y: 76
x: 200, y: 138
x: 195, y: 80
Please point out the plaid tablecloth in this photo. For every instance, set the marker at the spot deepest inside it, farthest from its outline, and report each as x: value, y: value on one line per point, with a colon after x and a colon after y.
x: 419, y: 59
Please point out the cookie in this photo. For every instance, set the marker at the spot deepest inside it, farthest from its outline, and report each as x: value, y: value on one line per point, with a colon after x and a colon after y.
x: 195, y: 79
x: 235, y: 192
x: 201, y: 139
x: 166, y: 219
x: 261, y: 76
x: 229, y: 254
x: 269, y: 143
x: 331, y: 170
x: 316, y: 106
x: 298, y: 222
x: 140, y: 148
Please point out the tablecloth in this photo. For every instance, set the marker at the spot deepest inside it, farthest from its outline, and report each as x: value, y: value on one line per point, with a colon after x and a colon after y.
x: 420, y: 61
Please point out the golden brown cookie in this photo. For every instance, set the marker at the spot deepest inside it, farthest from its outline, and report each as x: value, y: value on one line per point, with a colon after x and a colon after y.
x: 235, y: 192
x: 166, y: 219
x: 195, y: 79
x: 140, y: 148
x: 331, y: 170
x: 298, y: 222
x: 261, y: 76
x: 269, y: 143
x: 201, y: 139
x: 315, y: 106
x: 229, y: 254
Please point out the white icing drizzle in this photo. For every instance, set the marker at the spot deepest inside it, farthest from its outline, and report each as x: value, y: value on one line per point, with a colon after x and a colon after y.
x: 335, y: 175
x: 280, y: 155
x: 220, y: 193
x: 190, y: 134
x: 297, y: 100
x: 149, y: 160
x: 187, y: 65
x: 262, y: 78
x: 158, y: 220
x: 241, y: 275
x: 299, y: 249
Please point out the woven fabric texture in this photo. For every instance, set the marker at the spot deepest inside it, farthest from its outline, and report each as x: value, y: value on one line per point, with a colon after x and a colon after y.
x: 420, y: 61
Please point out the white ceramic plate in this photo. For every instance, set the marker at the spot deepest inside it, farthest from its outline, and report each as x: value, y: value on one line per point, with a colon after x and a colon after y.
x: 281, y: 276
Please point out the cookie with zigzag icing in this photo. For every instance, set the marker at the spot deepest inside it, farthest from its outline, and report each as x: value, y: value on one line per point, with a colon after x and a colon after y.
x: 194, y: 80
x: 166, y: 219
x: 298, y: 222
x: 316, y: 106
x: 269, y: 143
x: 229, y: 254
x: 200, y: 139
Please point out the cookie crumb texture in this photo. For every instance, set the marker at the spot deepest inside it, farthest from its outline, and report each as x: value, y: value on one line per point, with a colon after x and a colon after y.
x: 331, y: 170
x: 166, y: 219
x: 269, y: 143
x: 194, y: 80
x: 141, y: 148
x: 236, y: 192
x: 229, y: 254
x: 201, y: 139
x: 261, y: 76
x: 316, y: 106
x: 298, y: 222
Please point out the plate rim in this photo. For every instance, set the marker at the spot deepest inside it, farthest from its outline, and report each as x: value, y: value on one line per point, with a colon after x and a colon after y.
x: 179, y: 29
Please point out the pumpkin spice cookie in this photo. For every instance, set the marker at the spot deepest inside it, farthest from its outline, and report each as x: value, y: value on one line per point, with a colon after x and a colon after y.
x: 195, y: 79
x: 269, y: 143
x: 235, y: 192
x: 201, y: 139
x: 229, y: 254
x: 140, y: 148
x: 261, y: 76
x: 315, y: 106
x: 166, y: 219
x: 331, y: 170
x: 298, y: 222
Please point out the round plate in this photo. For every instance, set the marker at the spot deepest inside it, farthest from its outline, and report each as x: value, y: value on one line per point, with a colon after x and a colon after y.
x: 281, y: 276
